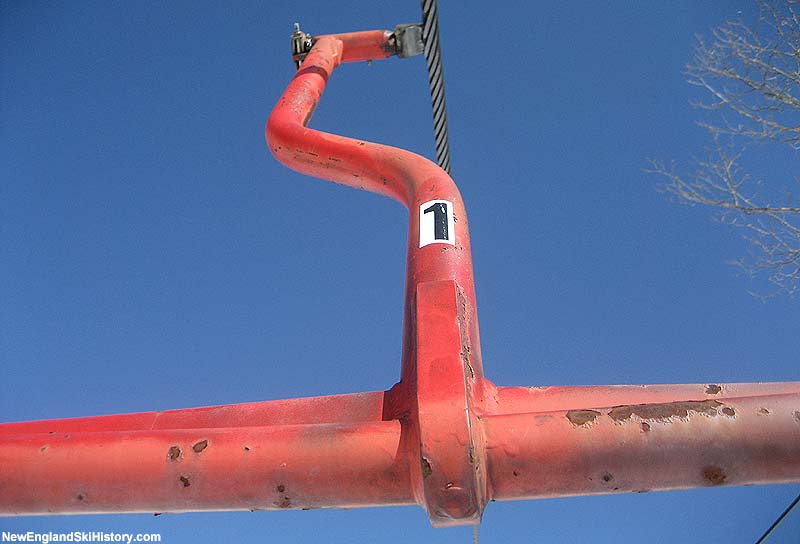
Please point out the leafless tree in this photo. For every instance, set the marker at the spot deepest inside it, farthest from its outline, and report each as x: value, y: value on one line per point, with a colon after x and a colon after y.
x: 751, y: 79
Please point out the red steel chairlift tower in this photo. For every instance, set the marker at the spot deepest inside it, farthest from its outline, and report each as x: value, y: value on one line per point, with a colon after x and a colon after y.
x: 444, y: 437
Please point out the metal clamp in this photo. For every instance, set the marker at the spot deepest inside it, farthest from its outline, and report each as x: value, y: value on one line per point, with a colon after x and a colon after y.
x: 408, y: 40
x: 301, y: 45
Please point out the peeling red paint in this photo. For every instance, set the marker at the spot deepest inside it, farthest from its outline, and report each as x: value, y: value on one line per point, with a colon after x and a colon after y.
x: 665, y: 410
x: 426, y: 468
x: 582, y: 417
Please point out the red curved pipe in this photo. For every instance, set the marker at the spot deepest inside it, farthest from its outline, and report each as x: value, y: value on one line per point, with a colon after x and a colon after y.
x: 396, y: 173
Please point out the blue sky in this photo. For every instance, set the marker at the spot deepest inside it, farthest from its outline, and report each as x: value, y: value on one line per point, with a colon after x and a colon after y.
x: 151, y: 255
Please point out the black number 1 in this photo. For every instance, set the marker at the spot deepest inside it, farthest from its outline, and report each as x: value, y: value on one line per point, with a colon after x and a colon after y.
x: 439, y: 221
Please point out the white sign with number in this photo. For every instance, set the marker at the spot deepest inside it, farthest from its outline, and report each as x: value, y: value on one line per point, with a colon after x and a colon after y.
x: 436, y: 223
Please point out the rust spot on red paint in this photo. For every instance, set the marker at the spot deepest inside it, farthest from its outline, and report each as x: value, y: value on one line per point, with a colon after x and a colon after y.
x: 582, y: 417
x: 607, y: 477
x: 463, y: 317
x: 281, y: 488
x: 665, y: 410
x: 426, y: 468
x: 728, y: 411
x: 307, y: 118
x: 43, y: 449
x: 200, y: 446
x: 246, y: 448
x: 646, y: 427
x: 463, y: 309
x: 714, y: 475
x: 796, y: 415
x: 185, y: 481
x: 80, y: 496
x: 764, y: 411
x: 174, y: 453
x: 713, y: 389
x: 285, y: 502
x: 467, y: 365
x: 515, y: 473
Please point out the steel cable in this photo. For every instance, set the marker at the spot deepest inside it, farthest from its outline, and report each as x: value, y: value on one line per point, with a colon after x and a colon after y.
x: 779, y: 520
x: 433, y: 56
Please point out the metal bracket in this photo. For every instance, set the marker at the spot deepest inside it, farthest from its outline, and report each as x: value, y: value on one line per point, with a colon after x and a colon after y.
x: 408, y: 40
x: 301, y: 45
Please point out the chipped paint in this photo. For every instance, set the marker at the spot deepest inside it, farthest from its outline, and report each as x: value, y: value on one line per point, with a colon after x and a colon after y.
x: 582, y: 417
x: 664, y: 411
x: 174, y: 453
x: 426, y: 468
x: 713, y: 389
x: 310, y: 113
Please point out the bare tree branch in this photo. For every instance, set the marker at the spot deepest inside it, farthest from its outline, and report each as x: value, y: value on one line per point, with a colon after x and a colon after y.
x: 754, y: 73
x: 752, y: 78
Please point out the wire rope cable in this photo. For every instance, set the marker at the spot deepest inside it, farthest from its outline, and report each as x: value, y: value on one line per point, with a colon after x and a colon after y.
x: 433, y: 57
x: 779, y: 520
